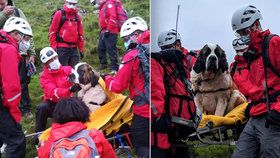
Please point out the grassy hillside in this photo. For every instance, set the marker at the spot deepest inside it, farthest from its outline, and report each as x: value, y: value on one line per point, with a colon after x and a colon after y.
x: 38, y: 13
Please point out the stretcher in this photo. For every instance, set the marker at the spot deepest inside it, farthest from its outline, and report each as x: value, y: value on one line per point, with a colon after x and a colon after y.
x: 218, y: 130
x: 215, y: 130
x: 110, y: 117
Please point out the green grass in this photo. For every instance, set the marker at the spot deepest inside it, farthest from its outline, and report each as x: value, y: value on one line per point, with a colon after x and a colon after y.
x: 38, y: 13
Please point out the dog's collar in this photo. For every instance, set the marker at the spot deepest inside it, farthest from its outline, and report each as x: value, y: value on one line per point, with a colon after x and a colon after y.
x: 222, y: 89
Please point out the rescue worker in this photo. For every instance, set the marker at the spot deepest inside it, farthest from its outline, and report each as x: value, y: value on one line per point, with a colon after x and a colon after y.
x: 107, y: 41
x: 15, y: 32
x: 70, y: 116
x: 177, y: 63
x: 66, y: 34
x: 27, y: 54
x: 261, y: 134
x: 55, y: 84
x: 134, y: 32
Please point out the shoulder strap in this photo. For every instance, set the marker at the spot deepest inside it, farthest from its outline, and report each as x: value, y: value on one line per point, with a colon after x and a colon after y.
x: 265, y: 54
x: 62, y: 19
x: 233, y: 69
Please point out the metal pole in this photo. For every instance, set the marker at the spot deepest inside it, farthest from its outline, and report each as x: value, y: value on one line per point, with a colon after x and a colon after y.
x: 177, y: 20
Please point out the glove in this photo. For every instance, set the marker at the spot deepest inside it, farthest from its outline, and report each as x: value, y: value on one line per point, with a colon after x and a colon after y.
x: 82, y: 55
x: 103, y: 76
x: 75, y: 88
x: 106, y: 34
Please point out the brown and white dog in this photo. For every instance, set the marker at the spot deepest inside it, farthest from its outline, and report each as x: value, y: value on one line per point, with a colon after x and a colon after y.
x: 215, y: 92
x: 91, y: 93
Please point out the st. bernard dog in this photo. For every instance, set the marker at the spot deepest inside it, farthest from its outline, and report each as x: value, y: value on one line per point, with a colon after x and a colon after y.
x: 215, y: 92
x: 91, y: 93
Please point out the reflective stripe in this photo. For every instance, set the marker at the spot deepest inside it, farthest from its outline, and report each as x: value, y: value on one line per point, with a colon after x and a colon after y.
x: 51, y: 33
x: 113, y: 21
x: 15, y: 97
x: 55, y: 93
x: 110, y: 86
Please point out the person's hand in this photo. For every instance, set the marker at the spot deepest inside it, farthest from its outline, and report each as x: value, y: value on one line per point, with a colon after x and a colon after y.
x: 8, y: 10
x: 103, y: 76
x: 106, y: 34
x: 82, y: 55
x: 76, y: 87
x: 32, y: 59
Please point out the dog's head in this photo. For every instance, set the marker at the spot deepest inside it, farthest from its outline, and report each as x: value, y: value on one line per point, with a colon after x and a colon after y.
x: 84, y: 74
x: 211, y: 58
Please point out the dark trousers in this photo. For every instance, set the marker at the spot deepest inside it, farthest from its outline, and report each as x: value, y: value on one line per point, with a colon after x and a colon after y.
x: 108, y: 44
x: 140, y: 135
x: 11, y: 134
x: 68, y: 56
x: 158, y: 152
x: 44, y: 111
x: 24, y: 105
x: 258, y: 141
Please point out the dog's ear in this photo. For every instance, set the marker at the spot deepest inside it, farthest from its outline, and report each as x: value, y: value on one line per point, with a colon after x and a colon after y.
x: 93, y: 79
x: 223, y: 64
x: 199, y: 65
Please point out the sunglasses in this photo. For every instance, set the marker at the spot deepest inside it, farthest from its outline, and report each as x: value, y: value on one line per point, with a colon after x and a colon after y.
x: 240, y: 41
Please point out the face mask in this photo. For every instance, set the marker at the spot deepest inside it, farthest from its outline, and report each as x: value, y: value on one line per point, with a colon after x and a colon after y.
x: 23, y: 46
x: 126, y: 44
x: 55, y: 65
x: 70, y: 6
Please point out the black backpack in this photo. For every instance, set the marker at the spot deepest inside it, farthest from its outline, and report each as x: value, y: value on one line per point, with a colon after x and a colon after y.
x: 62, y: 20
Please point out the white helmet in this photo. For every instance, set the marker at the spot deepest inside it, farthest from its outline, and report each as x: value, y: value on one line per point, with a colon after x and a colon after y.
x: 19, y: 24
x: 168, y: 37
x: 131, y: 25
x: 244, y: 17
x: 72, y: 1
x: 46, y: 54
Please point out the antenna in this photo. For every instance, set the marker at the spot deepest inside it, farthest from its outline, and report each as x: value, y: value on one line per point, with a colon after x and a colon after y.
x: 177, y: 20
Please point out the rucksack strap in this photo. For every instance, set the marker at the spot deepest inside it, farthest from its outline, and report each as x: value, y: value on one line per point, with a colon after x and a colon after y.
x: 233, y: 69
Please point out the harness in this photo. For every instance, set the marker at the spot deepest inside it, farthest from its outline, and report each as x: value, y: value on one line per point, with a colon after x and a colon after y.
x: 269, y: 98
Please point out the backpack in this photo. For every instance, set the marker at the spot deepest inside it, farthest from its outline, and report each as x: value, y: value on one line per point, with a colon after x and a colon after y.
x: 122, y: 15
x: 62, y: 20
x: 78, y: 145
x: 144, y: 68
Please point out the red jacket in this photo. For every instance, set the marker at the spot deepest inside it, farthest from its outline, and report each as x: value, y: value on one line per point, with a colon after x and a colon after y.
x: 240, y: 76
x: 108, y: 16
x: 70, y: 31
x: 129, y: 76
x: 157, y: 99
x: 55, y: 83
x: 10, y: 83
x: 256, y: 75
x: 178, y: 89
x: 66, y: 130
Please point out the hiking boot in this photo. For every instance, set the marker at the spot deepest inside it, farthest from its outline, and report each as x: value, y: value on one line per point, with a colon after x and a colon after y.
x: 101, y: 67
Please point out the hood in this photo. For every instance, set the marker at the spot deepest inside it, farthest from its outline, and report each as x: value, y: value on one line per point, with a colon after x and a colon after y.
x: 257, y: 38
x: 65, y: 130
x: 9, y: 38
x: 144, y: 38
